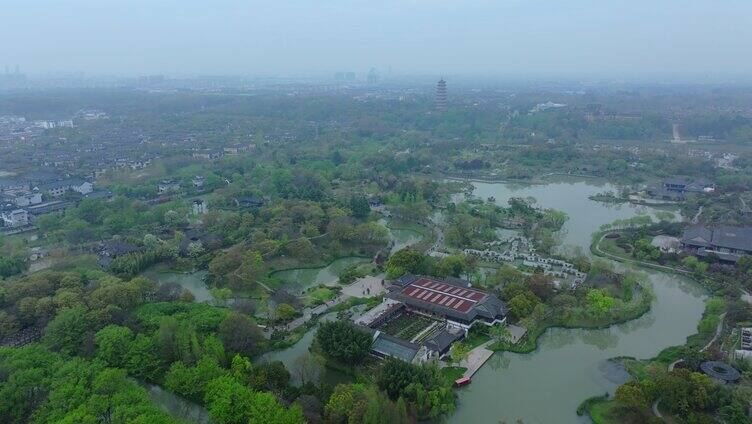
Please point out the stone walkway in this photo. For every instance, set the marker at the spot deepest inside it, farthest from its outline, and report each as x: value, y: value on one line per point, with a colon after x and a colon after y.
x: 369, y: 286
x: 476, y: 358
x: 362, y: 287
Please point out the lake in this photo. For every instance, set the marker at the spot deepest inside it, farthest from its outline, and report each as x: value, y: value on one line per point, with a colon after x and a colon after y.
x: 547, y: 385
x: 569, y: 196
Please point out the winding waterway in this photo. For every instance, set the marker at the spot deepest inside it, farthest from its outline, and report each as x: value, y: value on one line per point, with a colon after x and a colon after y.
x: 297, y: 280
x: 547, y: 385
x: 302, y: 364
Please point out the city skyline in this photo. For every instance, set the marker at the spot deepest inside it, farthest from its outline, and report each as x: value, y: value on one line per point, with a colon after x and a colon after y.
x: 688, y: 40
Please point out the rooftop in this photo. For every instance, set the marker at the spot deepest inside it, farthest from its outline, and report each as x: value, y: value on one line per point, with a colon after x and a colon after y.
x: 392, y: 346
x: 450, y: 297
x: 739, y: 238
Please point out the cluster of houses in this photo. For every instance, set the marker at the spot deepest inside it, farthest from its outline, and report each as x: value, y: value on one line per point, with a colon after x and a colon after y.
x: 452, y: 305
x: 521, y: 249
x: 23, y: 198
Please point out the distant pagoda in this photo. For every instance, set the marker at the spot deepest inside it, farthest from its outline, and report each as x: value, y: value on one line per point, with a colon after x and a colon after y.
x: 441, y: 94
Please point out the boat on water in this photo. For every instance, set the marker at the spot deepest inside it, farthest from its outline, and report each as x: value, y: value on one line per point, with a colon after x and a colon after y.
x: 462, y: 381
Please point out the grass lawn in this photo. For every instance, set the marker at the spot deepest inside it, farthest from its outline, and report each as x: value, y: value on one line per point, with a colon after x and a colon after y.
x: 319, y: 296
x: 476, y: 338
x: 610, y: 246
x: 602, y: 412
x: 452, y: 373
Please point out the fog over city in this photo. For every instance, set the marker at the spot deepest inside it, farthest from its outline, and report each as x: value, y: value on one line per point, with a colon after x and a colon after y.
x: 684, y: 39
x: 375, y: 211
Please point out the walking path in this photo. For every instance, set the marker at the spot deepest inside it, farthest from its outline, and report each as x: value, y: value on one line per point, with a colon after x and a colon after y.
x: 718, y: 330
x: 597, y: 248
x: 656, y: 412
x: 435, y: 249
x: 696, y: 218
x: 362, y: 287
x: 476, y: 358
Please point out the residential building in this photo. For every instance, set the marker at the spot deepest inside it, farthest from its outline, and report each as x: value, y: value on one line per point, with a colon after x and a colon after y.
x: 61, y: 187
x: 24, y: 198
x: 112, y: 249
x: 15, y: 218
x: 167, y: 186
x: 677, y: 188
x: 250, y: 202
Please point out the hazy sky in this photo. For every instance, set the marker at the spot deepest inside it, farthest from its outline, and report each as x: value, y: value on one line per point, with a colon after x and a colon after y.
x: 488, y: 37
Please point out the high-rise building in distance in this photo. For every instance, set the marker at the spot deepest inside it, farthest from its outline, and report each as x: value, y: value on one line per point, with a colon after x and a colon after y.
x: 441, y: 95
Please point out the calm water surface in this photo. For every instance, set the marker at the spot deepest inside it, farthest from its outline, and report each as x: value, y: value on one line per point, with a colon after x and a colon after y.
x: 192, y: 281
x: 177, y: 406
x: 298, y: 354
x: 571, y: 197
x: 546, y: 386
x: 298, y: 280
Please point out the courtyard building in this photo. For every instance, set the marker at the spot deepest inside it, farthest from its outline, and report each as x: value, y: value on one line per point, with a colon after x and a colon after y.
x: 726, y: 242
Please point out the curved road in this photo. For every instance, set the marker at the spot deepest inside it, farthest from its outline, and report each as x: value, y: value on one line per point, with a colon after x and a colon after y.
x: 597, y: 248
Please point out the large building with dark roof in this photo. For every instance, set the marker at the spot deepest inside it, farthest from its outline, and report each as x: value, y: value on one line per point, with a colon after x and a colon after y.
x: 726, y: 242
x: 450, y: 298
x: 450, y: 305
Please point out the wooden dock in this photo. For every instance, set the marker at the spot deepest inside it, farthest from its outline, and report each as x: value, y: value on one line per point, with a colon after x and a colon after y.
x: 475, y: 359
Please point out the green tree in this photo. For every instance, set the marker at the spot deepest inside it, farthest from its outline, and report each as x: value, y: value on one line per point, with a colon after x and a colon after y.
x: 286, y: 312
x: 143, y: 360
x: 507, y: 275
x: 459, y: 351
x: 630, y: 395
x: 192, y: 381
x: 113, y: 343
x: 500, y: 333
x: 359, y: 206
x: 405, y: 260
x: 343, y: 341
x: 240, y: 335
x: 451, y: 266
x: 228, y: 401
x: 67, y: 331
x: 599, y: 302
x: 523, y: 304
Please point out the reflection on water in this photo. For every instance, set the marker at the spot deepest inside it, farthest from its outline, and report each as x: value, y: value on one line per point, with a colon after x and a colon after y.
x: 602, y: 339
x: 569, y: 196
x: 298, y: 280
x: 404, y: 238
x: 192, y: 281
x: 304, y: 366
x: 570, y: 365
x: 613, y: 371
x: 177, y: 406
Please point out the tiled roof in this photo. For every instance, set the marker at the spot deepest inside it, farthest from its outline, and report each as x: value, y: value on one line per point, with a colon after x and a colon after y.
x: 738, y: 238
x: 394, y: 347
x: 450, y: 297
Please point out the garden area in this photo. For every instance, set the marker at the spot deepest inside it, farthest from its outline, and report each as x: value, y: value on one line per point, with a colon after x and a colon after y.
x: 406, y: 326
